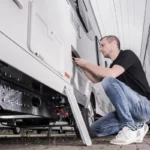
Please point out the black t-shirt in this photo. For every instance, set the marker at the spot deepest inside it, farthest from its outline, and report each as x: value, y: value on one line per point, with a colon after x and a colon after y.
x: 134, y: 75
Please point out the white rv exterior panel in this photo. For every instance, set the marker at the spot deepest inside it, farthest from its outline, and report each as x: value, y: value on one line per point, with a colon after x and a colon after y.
x: 27, y: 63
x: 43, y: 39
x: 43, y: 33
x: 53, y: 29
x: 14, y: 20
x: 30, y: 65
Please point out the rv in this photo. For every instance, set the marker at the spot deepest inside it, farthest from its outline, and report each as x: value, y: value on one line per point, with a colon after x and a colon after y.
x: 38, y: 39
x: 40, y: 85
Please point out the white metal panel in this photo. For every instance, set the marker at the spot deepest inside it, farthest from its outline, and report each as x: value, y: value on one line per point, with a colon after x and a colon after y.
x: 54, y: 16
x: 125, y: 22
x: 14, y: 20
x: 43, y: 38
x: 131, y: 17
x: 59, y: 17
x: 114, y: 17
x: 139, y: 22
x: 106, y: 17
x: 97, y: 12
x: 119, y: 19
x: 26, y: 63
x: 78, y: 117
x: 93, y: 19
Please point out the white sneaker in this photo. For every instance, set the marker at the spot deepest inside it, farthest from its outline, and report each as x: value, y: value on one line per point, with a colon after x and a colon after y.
x: 125, y: 136
x: 142, y: 133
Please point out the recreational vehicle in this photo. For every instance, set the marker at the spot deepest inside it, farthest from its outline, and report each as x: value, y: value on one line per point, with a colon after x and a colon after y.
x: 40, y: 85
x: 38, y: 39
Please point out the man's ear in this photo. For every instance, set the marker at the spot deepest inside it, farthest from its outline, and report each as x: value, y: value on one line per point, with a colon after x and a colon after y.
x: 114, y: 43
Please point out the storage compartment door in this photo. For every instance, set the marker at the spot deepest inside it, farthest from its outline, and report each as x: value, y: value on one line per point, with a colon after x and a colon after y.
x: 43, y: 40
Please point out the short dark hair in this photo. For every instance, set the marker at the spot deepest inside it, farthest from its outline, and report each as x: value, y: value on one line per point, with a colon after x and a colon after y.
x: 111, y: 38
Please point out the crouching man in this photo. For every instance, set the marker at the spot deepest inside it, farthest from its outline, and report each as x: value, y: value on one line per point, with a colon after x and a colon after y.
x: 126, y: 86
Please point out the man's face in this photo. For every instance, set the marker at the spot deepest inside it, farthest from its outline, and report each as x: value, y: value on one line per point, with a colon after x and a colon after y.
x: 105, y: 47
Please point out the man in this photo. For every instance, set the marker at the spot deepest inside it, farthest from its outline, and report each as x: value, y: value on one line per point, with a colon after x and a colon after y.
x: 126, y: 86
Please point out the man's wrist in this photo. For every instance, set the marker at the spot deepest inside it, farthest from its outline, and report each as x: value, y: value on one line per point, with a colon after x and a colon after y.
x: 85, y: 65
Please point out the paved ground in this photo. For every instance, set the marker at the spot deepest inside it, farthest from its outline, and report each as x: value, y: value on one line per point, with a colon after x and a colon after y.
x: 69, y: 142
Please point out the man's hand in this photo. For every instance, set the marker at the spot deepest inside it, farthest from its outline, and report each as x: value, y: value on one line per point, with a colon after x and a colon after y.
x: 80, y: 62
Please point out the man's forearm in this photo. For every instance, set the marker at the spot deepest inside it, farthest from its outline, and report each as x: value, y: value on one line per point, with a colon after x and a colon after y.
x: 91, y: 76
x: 98, y: 71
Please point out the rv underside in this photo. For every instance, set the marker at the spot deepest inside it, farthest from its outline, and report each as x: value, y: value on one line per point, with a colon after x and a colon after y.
x: 26, y: 102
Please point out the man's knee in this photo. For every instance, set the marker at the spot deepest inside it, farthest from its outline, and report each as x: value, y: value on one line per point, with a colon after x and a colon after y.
x: 97, y: 129
x: 107, y: 81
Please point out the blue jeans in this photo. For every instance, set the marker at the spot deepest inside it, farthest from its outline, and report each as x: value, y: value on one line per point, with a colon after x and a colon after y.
x: 132, y: 109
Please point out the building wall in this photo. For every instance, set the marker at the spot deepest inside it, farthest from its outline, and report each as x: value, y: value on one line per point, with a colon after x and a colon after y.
x: 145, y: 48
